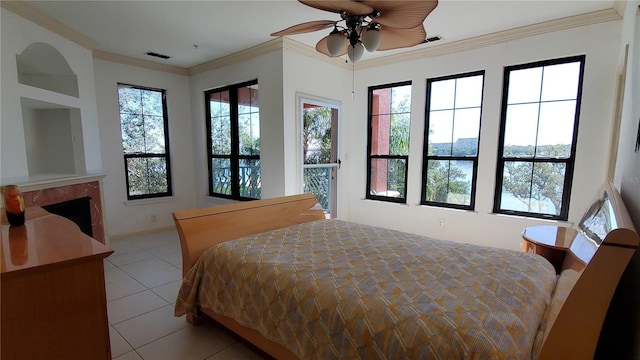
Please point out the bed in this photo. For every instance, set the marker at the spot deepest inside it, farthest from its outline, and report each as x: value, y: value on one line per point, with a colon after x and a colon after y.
x: 299, y: 286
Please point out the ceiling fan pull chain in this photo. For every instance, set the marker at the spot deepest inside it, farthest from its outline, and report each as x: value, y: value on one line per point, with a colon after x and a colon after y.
x: 353, y: 80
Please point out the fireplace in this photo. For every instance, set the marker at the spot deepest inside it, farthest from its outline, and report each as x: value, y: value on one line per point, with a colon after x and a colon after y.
x: 76, y: 210
x: 51, y: 195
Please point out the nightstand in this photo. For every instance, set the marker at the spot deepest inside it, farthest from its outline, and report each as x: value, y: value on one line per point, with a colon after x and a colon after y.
x: 549, y: 241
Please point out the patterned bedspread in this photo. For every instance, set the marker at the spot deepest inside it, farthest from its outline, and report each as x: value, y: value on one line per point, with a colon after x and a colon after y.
x: 331, y: 289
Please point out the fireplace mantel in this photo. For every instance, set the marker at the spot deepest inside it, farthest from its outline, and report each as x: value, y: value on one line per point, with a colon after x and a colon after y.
x: 54, y: 190
x: 36, y: 183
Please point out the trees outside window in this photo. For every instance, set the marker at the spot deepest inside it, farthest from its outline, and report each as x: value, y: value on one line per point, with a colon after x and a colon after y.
x: 452, y: 132
x: 539, y: 127
x: 388, y: 141
x: 145, y: 141
x: 233, y: 139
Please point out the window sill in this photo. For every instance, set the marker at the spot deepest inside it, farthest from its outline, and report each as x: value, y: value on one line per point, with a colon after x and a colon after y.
x: 150, y: 201
x: 533, y: 218
x: 446, y: 208
x: 214, y: 200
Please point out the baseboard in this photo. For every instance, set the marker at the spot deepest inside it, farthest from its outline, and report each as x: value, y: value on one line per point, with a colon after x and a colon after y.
x: 143, y: 232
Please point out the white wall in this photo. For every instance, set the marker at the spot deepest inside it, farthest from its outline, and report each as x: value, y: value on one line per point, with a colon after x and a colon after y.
x: 267, y: 69
x: 122, y: 216
x: 17, y: 34
x: 598, y: 42
x: 314, y: 78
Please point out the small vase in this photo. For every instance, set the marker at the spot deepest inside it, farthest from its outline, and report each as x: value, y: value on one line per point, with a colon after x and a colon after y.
x: 13, y: 204
x: 18, y: 247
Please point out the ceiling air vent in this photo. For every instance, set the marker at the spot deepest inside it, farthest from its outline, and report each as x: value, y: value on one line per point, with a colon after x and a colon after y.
x: 154, y: 54
x: 433, y: 38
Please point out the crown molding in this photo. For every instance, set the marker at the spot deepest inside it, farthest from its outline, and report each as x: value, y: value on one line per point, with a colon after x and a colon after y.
x: 237, y: 57
x: 281, y: 43
x: 126, y: 60
x: 30, y: 13
x: 570, y: 22
x: 36, y: 16
x: 308, y: 51
x: 620, y: 6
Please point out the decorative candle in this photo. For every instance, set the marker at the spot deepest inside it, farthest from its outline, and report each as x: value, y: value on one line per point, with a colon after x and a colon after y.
x: 13, y: 204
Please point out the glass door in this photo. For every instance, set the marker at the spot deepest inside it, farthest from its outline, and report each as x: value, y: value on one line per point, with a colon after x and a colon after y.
x: 320, y: 161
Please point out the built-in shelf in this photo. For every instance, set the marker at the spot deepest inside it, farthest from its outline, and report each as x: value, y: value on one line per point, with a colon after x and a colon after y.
x: 42, y: 66
x: 39, y: 98
x: 51, y: 116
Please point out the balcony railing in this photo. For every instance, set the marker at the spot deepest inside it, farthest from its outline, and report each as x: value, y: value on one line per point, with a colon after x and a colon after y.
x: 250, y: 183
x: 317, y: 180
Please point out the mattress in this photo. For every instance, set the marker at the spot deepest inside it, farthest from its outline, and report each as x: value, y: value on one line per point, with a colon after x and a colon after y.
x: 331, y: 289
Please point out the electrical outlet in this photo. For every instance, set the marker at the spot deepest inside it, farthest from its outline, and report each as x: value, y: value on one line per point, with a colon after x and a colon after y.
x: 441, y: 223
x: 153, y: 218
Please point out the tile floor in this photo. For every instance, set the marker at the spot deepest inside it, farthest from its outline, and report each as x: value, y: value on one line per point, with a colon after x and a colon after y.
x: 142, y: 279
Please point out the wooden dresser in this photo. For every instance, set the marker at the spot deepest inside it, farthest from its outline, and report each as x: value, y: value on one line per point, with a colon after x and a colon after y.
x: 53, y: 300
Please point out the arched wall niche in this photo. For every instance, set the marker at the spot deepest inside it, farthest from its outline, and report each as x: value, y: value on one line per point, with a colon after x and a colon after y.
x: 43, y: 66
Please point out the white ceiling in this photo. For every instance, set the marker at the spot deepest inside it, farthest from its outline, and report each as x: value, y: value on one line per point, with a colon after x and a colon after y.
x: 220, y: 28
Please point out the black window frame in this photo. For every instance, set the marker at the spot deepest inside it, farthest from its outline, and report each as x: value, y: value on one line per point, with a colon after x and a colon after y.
x: 235, y: 155
x: 166, y: 156
x: 569, y: 161
x: 427, y: 157
x: 401, y: 199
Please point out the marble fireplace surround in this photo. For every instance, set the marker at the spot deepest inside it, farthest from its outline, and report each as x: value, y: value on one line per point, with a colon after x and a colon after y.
x: 47, y: 192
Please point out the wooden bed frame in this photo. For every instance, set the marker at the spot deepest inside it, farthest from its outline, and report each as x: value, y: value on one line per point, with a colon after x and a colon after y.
x: 573, y: 335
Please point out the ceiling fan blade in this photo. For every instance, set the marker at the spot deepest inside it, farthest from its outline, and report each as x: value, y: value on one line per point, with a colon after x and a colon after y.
x: 306, y: 27
x: 393, y: 38
x: 337, y: 6
x: 401, y: 14
x: 322, y: 47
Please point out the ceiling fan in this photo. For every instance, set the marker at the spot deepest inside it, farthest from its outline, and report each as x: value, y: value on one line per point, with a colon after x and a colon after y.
x: 371, y: 24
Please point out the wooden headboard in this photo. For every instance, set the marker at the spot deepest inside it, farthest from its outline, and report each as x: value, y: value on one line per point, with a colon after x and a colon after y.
x: 600, y: 253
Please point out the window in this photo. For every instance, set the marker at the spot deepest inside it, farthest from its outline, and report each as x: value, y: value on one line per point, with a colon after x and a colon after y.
x: 145, y: 141
x: 388, y: 145
x: 452, y: 133
x: 233, y: 139
x: 539, y: 127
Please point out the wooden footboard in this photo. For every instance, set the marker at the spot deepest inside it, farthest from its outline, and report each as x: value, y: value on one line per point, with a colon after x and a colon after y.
x: 199, y: 229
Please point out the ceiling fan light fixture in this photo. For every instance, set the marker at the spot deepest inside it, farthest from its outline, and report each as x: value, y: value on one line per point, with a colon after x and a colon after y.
x: 371, y: 39
x: 355, y: 52
x: 335, y: 43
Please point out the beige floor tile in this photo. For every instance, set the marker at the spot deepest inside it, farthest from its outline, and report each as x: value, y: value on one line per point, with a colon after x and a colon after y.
x: 121, y: 246
x: 168, y: 253
x: 157, y: 277
x: 189, y: 343
x: 143, y: 277
x: 133, y: 305
x: 125, y: 287
x: 130, y: 257
x: 161, y: 238
x: 131, y: 355
x: 114, y: 274
x: 236, y: 352
x: 143, y: 266
x: 169, y: 291
x: 119, y: 345
x: 143, y: 329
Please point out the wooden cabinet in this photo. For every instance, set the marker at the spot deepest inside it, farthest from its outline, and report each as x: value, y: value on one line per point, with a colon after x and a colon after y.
x: 549, y: 241
x: 53, y: 302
